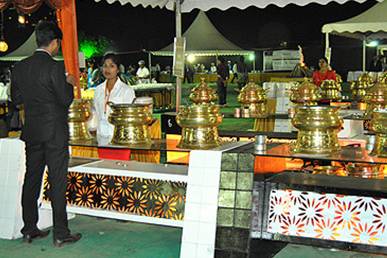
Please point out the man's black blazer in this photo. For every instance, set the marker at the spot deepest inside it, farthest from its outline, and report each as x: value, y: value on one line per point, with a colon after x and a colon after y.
x: 39, y: 82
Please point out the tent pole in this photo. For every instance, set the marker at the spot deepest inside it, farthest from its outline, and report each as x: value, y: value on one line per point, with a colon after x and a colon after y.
x: 364, y: 54
x: 327, y: 55
x: 179, y: 80
x: 150, y: 65
x: 254, y: 62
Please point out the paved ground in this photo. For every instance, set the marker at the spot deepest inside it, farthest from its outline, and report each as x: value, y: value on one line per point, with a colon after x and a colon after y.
x: 105, y: 238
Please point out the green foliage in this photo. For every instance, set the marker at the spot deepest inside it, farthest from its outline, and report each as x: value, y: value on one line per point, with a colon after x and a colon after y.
x: 93, y: 46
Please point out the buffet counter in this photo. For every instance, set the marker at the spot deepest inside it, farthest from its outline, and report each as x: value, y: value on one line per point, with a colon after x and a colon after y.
x: 308, y: 206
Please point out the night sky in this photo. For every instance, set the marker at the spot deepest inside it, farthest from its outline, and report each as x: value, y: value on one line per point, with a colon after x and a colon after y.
x: 135, y: 28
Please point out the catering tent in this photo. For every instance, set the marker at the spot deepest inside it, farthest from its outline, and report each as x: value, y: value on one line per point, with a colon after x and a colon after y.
x: 26, y: 49
x: 185, y: 6
x: 214, y: 44
x: 369, y: 25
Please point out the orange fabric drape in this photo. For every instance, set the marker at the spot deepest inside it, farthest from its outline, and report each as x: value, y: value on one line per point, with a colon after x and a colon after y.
x: 67, y: 21
x: 29, y: 6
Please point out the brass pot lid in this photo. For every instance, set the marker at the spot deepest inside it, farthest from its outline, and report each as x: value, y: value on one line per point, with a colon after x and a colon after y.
x: 377, y: 93
x: 203, y: 93
x: 306, y: 91
x: 252, y: 93
x: 330, y: 85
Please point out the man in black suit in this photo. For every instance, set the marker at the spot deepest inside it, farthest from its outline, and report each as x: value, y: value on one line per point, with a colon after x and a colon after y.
x: 40, y: 84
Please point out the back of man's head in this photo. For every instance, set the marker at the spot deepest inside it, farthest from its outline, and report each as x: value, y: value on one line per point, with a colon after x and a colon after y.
x: 46, y: 32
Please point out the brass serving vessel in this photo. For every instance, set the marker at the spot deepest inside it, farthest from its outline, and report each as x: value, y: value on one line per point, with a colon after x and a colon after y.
x: 330, y: 90
x: 253, y: 98
x: 318, y: 127
x: 131, y: 124
x: 79, y: 115
x: 365, y: 171
x: 306, y: 93
x: 379, y: 126
x: 376, y: 98
x: 329, y: 170
x: 383, y: 78
x: 359, y: 88
x: 203, y: 93
x: 199, y: 123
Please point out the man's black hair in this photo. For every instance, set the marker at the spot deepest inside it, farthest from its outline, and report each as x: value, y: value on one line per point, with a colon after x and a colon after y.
x: 47, y: 31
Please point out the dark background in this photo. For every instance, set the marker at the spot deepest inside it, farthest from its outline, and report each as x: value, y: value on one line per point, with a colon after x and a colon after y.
x: 136, y: 28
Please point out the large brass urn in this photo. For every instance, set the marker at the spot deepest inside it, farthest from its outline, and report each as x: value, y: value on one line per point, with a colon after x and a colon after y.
x: 131, y: 124
x: 203, y: 93
x: 318, y: 127
x: 330, y: 90
x: 199, y: 123
x: 306, y: 93
x: 376, y: 98
x: 359, y: 88
x: 253, y: 98
x: 79, y: 115
x: 379, y: 126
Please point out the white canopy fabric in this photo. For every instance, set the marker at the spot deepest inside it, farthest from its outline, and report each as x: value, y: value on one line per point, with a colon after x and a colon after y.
x: 371, y: 24
x: 205, y: 5
x: 26, y: 49
x: 203, y: 39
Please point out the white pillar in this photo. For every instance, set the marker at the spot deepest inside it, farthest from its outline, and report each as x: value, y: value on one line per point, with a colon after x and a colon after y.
x: 150, y: 65
x: 179, y: 81
x: 327, y: 52
x: 364, y: 54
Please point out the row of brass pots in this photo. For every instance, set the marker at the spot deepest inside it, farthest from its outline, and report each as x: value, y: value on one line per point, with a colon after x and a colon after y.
x: 353, y: 169
x: 318, y: 128
x: 308, y: 94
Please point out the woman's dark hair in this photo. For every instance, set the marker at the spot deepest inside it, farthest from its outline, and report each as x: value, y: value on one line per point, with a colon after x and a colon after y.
x: 323, y: 58
x: 115, y: 59
x: 221, y: 59
x: 47, y: 31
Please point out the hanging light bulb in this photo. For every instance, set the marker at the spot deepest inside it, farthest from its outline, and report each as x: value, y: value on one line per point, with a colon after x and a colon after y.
x: 3, y: 44
x: 21, y: 19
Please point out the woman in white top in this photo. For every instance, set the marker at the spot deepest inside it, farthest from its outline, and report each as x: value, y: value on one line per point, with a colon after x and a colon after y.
x: 111, y: 90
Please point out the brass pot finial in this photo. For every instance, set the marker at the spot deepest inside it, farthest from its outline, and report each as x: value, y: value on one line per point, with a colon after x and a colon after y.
x: 203, y: 93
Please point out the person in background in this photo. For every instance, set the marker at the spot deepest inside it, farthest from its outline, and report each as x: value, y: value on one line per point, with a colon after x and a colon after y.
x: 142, y: 73
x: 111, y: 90
x: 243, y: 74
x: 131, y: 70
x: 40, y: 84
x: 90, y: 70
x: 188, y: 73
x: 325, y: 72
x: 223, y: 75
x: 157, y: 72
x: 234, y: 72
x: 213, y: 68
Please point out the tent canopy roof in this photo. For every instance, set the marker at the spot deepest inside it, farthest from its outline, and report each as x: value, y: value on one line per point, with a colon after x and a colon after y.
x: 371, y: 24
x: 203, y: 39
x: 205, y: 5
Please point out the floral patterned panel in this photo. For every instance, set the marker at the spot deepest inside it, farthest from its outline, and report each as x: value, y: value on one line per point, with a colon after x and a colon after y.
x: 146, y: 197
x: 337, y: 217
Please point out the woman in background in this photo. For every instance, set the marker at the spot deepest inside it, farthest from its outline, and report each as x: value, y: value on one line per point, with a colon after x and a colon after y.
x: 111, y: 90
x: 324, y: 73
